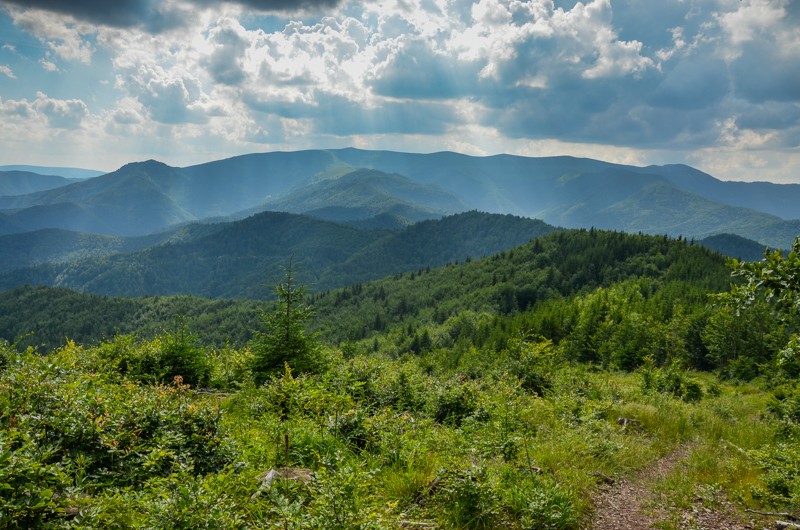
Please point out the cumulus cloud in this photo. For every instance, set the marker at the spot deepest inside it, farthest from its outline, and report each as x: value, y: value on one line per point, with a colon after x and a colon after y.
x: 50, y: 66
x: 61, y: 113
x: 168, y: 99
x: 66, y: 38
x: 224, y: 63
x: 55, y: 113
x: 15, y: 109
x: 679, y: 75
x: 7, y: 71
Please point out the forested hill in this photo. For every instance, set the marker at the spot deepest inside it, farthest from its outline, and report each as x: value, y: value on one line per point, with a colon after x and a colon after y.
x: 46, y: 317
x: 550, y: 267
x: 558, y: 265
x: 241, y: 259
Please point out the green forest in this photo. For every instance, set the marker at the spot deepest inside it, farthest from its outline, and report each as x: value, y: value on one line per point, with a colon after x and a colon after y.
x: 503, y: 391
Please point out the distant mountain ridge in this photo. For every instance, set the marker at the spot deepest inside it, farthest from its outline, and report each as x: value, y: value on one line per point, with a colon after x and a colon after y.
x: 15, y: 182
x: 238, y: 260
x: 366, y: 193
x: 149, y: 197
x: 72, y: 173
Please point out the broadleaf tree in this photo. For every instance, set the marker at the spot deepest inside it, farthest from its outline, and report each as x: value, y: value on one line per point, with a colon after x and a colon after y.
x: 776, y: 281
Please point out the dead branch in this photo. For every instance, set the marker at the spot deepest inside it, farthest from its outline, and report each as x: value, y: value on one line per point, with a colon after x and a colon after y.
x: 787, y: 515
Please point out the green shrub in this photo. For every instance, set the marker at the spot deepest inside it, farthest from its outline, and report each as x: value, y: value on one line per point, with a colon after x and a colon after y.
x: 117, y: 433
x: 174, y: 353
x: 539, y: 503
x: 670, y: 380
x: 30, y: 485
x: 467, y: 500
x: 454, y: 402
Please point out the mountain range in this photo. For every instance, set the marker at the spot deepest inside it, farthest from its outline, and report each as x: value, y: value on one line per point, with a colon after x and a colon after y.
x: 240, y: 259
x: 349, y: 215
x: 146, y: 197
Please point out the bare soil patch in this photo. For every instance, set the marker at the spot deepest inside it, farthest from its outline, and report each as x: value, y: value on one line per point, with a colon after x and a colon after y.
x: 628, y: 505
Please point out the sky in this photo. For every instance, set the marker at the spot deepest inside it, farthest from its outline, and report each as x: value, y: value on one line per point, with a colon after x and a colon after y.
x: 710, y: 83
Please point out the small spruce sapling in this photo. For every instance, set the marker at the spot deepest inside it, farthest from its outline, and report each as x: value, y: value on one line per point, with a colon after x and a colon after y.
x: 284, y: 340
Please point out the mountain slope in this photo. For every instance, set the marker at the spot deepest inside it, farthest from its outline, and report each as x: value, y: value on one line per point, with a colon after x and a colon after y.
x: 553, y: 266
x: 71, y: 173
x: 238, y: 259
x: 148, y: 197
x: 137, y: 199
x: 53, y: 245
x: 560, y: 264
x: 24, y: 182
x: 782, y: 200
x: 366, y: 193
x: 577, y: 192
x: 489, y: 183
x: 735, y: 247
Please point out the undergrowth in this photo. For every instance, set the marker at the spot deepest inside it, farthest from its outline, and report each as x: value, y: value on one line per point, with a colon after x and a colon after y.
x: 87, y: 441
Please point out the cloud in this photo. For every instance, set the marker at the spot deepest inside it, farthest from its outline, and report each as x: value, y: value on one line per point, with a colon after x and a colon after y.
x: 338, y: 116
x: 692, y: 84
x: 61, y: 113
x: 415, y: 71
x: 15, y: 110
x: 63, y: 37
x: 764, y: 71
x: 156, y: 16
x: 7, y: 71
x: 55, y: 113
x: 287, y: 5
x: 153, y: 15
x: 50, y: 66
x: 169, y: 99
x: 224, y: 64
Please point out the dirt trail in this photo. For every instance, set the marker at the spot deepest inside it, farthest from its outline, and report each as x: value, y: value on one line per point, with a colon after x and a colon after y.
x: 627, y: 504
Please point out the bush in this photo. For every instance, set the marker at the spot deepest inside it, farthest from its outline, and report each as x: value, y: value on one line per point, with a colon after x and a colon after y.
x: 174, y: 353
x: 29, y: 485
x: 454, y: 402
x: 671, y: 380
x: 468, y: 500
x: 116, y: 433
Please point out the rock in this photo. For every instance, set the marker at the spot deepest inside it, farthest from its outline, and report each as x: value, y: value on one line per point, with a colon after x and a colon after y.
x: 297, y: 474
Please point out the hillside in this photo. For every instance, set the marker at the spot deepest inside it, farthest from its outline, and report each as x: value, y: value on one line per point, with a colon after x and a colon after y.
x: 239, y: 259
x: 52, y: 245
x: 550, y: 267
x: 70, y: 173
x: 777, y: 199
x: 149, y: 197
x: 735, y: 246
x: 557, y: 265
x: 15, y: 182
x: 363, y: 194
x: 525, y: 389
x: 45, y: 317
x: 575, y: 192
x: 137, y: 199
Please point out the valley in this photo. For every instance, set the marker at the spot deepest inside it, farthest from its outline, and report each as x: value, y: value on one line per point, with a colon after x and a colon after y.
x: 400, y: 342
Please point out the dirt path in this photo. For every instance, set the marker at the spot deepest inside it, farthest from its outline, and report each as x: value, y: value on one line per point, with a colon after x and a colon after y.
x: 627, y: 504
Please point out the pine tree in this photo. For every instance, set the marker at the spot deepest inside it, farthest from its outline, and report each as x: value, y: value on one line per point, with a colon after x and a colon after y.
x: 285, y: 341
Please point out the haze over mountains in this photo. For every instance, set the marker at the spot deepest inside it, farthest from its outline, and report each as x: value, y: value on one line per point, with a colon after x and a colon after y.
x: 146, y: 197
x: 347, y: 211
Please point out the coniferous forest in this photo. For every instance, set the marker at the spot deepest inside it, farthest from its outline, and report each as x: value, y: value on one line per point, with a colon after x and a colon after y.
x: 503, y: 391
